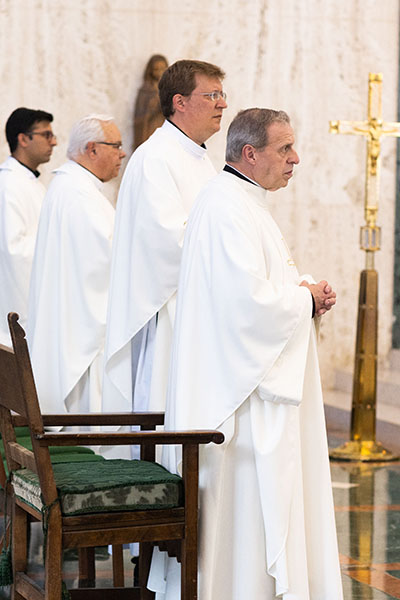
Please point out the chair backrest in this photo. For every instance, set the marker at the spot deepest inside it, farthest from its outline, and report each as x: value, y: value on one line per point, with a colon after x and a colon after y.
x: 11, y: 399
x: 18, y: 395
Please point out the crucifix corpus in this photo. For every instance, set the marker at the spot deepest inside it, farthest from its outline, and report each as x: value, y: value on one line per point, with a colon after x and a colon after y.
x: 363, y: 445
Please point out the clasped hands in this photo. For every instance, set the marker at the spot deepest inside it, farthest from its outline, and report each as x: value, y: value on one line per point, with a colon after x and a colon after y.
x: 324, y: 296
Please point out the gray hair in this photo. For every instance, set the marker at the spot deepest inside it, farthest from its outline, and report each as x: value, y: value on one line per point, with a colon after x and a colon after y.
x: 250, y: 127
x: 88, y: 129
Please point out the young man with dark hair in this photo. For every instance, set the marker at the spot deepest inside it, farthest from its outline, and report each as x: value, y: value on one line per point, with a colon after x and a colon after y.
x: 31, y: 141
x: 158, y: 189
x: 24, y: 120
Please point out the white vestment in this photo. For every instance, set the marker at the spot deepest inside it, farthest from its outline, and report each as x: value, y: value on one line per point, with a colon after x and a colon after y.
x: 69, y: 290
x: 158, y: 188
x: 244, y: 361
x: 21, y: 196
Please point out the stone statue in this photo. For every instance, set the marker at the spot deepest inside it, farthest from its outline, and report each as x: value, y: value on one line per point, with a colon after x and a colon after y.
x: 148, y: 115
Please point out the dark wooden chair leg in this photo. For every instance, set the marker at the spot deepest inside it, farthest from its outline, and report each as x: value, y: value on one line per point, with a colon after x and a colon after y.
x: 145, y: 554
x: 188, y: 573
x: 189, y: 543
x: 20, y: 550
x: 87, y: 570
x: 5, y: 505
x: 118, y: 565
x: 20, y: 533
x: 53, y: 562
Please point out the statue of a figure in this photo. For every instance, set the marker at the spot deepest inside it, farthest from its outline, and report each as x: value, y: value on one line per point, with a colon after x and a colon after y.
x: 148, y: 115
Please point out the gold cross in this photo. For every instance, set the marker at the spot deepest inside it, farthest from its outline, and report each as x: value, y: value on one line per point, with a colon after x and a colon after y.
x: 374, y: 128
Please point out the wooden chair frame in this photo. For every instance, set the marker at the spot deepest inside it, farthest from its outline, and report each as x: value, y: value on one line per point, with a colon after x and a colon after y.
x: 86, y: 562
x: 172, y: 529
x: 4, y: 493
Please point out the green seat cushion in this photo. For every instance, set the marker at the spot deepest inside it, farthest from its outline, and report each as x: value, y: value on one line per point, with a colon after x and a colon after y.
x: 73, y: 457
x: 26, y: 442
x: 104, y: 486
x: 22, y: 432
x: 57, y: 453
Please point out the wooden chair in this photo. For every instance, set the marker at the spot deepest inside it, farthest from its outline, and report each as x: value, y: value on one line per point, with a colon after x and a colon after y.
x: 158, y: 508
x: 3, y: 506
x: 66, y: 455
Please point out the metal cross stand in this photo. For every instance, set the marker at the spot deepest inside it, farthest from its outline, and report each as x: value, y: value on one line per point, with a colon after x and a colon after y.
x: 363, y: 445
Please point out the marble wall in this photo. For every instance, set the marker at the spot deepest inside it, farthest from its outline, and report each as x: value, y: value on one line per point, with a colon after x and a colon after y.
x: 310, y: 58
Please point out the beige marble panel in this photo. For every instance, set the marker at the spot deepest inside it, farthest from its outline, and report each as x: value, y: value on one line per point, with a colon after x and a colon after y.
x: 311, y: 58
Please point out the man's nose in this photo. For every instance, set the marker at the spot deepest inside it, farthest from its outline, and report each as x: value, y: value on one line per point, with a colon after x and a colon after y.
x: 222, y: 103
x: 294, y: 158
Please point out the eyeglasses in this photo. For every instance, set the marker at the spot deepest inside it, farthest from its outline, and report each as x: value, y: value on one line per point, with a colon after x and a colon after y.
x: 116, y: 145
x: 48, y: 135
x: 214, y: 96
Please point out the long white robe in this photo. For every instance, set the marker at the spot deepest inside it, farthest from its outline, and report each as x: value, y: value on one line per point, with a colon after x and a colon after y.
x: 69, y: 290
x: 244, y: 361
x: 21, y: 196
x: 158, y: 188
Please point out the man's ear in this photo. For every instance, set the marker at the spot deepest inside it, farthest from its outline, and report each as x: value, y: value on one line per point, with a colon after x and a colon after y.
x: 91, y: 149
x: 23, y: 139
x: 249, y: 154
x: 178, y: 102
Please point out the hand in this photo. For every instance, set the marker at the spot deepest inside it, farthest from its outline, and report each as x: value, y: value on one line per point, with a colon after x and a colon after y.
x: 324, y: 296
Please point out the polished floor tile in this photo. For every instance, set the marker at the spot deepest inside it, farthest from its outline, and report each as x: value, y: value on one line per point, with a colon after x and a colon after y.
x: 367, y: 505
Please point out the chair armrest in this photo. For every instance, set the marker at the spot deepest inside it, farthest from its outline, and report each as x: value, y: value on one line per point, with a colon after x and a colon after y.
x: 149, y: 419
x: 120, y: 439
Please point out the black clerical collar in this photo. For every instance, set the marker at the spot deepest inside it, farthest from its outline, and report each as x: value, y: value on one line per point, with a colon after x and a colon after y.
x: 35, y: 172
x: 201, y: 145
x: 234, y: 171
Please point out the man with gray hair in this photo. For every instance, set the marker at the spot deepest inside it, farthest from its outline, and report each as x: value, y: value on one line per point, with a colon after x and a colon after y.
x: 244, y: 361
x: 71, y: 271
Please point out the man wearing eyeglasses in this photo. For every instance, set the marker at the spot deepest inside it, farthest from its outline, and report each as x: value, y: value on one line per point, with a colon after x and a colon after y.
x: 31, y: 141
x: 71, y: 269
x: 158, y: 189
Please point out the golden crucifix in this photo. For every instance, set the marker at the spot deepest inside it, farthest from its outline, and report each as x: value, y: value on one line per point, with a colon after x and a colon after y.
x: 363, y: 445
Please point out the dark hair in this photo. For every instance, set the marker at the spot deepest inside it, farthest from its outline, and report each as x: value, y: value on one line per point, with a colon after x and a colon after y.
x: 250, y: 126
x: 180, y: 78
x: 149, y: 67
x: 22, y: 121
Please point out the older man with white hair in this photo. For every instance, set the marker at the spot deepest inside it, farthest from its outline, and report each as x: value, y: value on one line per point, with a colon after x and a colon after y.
x: 71, y: 269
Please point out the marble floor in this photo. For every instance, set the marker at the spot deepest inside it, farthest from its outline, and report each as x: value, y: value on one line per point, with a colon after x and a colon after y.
x: 367, y: 504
